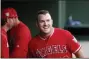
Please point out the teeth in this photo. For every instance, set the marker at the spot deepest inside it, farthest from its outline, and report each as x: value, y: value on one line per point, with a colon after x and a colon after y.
x: 45, y: 27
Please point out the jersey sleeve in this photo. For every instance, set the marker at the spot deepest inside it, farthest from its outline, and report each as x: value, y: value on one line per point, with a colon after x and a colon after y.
x: 29, y: 54
x: 4, y: 46
x: 22, y: 39
x: 30, y: 50
x: 72, y: 42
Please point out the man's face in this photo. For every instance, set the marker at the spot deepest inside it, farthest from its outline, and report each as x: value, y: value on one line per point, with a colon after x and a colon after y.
x: 11, y: 22
x: 45, y: 23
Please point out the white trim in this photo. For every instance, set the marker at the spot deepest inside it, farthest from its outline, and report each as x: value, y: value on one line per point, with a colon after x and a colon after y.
x: 77, y: 49
x: 41, y: 37
x: 75, y: 40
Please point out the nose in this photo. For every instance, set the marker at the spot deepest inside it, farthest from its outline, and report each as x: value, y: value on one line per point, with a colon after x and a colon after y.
x: 45, y: 23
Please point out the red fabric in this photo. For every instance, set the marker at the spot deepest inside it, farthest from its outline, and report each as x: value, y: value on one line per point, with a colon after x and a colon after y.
x: 72, y: 42
x: 4, y: 47
x: 59, y: 45
x: 8, y: 13
x: 21, y: 36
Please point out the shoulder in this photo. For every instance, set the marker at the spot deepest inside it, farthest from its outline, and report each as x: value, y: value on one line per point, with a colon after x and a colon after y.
x: 23, y: 28
x: 35, y: 39
x: 3, y: 33
x: 22, y: 25
x: 3, y: 36
x: 63, y: 31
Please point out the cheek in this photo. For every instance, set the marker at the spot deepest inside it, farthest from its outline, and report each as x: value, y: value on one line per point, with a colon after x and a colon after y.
x: 41, y: 24
x: 10, y: 22
x: 51, y: 23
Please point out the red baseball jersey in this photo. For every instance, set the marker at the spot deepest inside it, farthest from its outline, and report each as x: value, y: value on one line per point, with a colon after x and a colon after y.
x: 20, y: 35
x: 61, y: 44
x: 4, y: 44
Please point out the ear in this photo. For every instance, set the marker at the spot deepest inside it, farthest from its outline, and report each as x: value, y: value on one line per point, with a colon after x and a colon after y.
x: 52, y: 21
x: 36, y: 24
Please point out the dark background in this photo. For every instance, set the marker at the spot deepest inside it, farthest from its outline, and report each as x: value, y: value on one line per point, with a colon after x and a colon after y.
x: 27, y: 10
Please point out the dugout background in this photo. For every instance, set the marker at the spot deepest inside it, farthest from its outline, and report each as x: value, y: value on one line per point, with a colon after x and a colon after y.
x: 59, y: 9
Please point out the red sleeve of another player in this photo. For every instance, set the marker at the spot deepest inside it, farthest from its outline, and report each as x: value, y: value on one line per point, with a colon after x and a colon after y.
x: 30, y: 49
x: 73, y: 44
x: 29, y: 55
x: 4, y: 47
x: 21, y: 44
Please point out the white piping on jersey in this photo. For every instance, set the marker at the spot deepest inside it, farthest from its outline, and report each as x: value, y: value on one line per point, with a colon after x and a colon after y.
x: 75, y: 39
x: 49, y: 37
x: 77, y: 49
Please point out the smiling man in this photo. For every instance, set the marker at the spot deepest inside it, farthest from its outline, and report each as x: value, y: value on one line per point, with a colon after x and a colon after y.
x: 52, y: 42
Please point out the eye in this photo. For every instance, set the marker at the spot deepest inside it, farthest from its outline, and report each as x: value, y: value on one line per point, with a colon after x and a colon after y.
x: 48, y: 20
x: 41, y: 21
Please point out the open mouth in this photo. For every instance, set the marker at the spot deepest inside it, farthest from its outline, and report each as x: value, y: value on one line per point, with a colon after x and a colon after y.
x: 46, y: 27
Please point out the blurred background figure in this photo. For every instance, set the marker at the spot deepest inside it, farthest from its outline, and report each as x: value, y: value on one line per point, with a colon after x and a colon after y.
x: 5, y: 26
x: 72, y: 22
x: 19, y: 34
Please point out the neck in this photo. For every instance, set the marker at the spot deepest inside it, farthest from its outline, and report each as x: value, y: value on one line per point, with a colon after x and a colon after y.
x: 47, y: 35
x: 17, y: 22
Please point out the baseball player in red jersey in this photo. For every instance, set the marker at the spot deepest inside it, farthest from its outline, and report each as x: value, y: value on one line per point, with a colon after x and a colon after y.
x: 4, y: 44
x: 5, y: 26
x: 52, y: 42
x: 19, y: 35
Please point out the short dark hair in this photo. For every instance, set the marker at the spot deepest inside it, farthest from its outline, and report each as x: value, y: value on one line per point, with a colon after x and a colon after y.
x: 43, y: 12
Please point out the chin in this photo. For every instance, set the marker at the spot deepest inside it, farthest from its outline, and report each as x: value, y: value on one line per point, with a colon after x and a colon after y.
x: 46, y: 32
